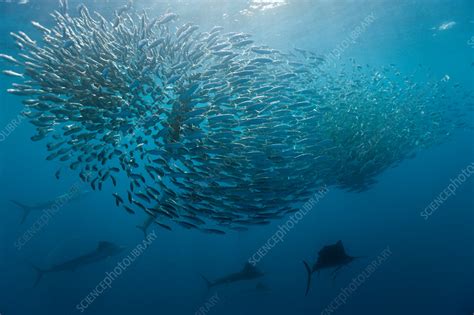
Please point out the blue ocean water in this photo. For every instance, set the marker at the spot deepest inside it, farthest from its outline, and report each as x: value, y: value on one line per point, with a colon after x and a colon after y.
x: 430, y: 268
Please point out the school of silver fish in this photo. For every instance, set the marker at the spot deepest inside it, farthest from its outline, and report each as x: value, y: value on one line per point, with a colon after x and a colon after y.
x: 209, y: 130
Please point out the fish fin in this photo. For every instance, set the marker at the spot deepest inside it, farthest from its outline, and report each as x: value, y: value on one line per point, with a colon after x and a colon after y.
x: 39, y: 274
x: 208, y: 283
x: 248, y: 267
x: 308, y: 283
x: 336, y: 272
x: 142, y: 228
x: 26, y: 210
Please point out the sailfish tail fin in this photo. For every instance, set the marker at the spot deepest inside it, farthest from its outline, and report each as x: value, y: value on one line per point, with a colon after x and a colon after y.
x: 39, y: 274
x: 208, y: 283
x: 308, y: 283
x: 26, y: 210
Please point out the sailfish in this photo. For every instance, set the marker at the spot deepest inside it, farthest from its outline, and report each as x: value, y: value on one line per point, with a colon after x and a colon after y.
x: 330, y: 256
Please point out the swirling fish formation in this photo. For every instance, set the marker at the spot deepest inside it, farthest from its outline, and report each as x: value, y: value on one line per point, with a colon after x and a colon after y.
x: 209, y: 130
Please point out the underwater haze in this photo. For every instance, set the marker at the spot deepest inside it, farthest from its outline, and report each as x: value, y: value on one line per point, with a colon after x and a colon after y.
x: 236, y: 157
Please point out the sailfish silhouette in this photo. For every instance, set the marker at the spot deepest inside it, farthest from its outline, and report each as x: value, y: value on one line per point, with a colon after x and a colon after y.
x: 330, y: 256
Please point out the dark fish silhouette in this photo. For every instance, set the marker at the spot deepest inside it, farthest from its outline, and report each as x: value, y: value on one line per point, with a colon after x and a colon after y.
x: 249, y: 272
x: 330, y: 256
x: 60, y: 200
x: 103, y: 251
x: 146, y: 224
